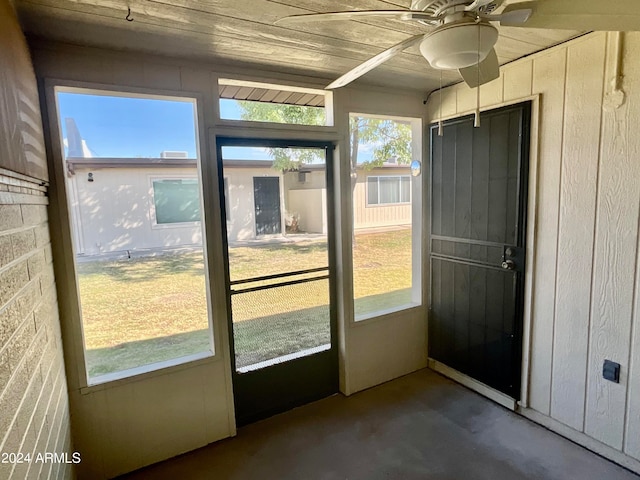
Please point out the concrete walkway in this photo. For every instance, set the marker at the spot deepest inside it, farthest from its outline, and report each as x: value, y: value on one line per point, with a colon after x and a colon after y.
x: 421, y: 426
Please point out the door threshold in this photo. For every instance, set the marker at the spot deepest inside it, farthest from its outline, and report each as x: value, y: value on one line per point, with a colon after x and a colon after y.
x: 478, y: 387
x: 284, y: 358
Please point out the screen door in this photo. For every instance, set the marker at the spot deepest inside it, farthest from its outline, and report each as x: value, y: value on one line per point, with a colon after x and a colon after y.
x: 278, y: 206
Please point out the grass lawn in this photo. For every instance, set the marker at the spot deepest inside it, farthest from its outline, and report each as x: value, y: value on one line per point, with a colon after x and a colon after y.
x: 145, y: 310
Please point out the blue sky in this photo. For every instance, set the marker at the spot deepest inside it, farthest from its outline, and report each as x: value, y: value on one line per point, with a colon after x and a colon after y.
x: 130, y: 127
x: 137, y: 127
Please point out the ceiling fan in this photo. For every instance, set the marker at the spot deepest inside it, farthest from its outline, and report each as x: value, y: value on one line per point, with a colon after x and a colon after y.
x: 461, y: 35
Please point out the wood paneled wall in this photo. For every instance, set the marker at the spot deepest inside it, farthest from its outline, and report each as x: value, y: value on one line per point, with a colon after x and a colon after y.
x: 585, y: 275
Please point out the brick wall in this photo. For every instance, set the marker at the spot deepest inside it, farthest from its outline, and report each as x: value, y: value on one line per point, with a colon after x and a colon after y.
x: 34, y: 411
x: 33, y: 399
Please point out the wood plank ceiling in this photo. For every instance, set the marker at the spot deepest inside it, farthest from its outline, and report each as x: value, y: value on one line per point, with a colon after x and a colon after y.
x: 242, y: 32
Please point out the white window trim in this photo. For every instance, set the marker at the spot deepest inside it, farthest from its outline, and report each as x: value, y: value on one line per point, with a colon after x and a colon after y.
x: 79, y: 378
x: 417, y: 205
x: 379, y: 204
x: 152, y: 203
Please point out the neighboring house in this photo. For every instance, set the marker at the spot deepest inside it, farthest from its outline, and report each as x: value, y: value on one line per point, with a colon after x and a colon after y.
x: 152, y: 203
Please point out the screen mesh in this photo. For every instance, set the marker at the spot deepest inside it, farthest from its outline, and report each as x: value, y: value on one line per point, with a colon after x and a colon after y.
x: 280, y: 321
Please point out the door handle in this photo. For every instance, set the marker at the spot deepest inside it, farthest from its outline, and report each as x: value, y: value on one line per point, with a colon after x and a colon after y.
x: 509, y: 265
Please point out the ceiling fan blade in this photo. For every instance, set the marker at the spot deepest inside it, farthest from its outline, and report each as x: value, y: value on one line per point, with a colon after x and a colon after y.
x: 514, y: 17
x: 489, y: 70
x: 373, y: 62
x: 330, y: 16
x: 618, y: 15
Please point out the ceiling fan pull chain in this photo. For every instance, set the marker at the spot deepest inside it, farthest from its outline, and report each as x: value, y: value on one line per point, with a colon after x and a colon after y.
x: 476, y: 122
x: 440, y: 129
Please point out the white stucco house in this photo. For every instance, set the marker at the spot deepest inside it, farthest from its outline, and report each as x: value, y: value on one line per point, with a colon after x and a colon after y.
x: 130, y: 204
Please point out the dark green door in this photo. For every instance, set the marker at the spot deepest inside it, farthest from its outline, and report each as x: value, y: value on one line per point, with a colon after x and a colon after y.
x: 266, y: 198
x: 478, y: 215
x: 281, y: 287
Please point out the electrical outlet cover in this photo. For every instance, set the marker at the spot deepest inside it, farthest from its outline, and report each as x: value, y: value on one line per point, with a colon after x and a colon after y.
x: 611, y: 371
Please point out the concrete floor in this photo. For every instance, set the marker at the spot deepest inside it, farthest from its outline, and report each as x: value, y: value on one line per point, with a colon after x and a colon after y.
x: 421, y: 426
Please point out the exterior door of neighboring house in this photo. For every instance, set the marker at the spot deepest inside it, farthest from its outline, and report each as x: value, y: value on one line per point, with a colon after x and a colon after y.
x: 280, y: 291
x: 479, y: 180
x: 266, y: 197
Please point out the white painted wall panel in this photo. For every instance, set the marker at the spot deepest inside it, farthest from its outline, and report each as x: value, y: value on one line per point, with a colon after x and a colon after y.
x: 579, y: 172
x: 550, y: 85
x: 586, y: 277
x: 387, y: 348
x: 168, y: 414
x: 615, y: 247
x: 518, y: 80
x: 310, y: 206
x: 632, y: 427
x: 626, y: 125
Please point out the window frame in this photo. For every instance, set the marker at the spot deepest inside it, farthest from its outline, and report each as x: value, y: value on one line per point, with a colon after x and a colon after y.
x: 418, y: 209
x: 67, y: 278
x: 391, y: 204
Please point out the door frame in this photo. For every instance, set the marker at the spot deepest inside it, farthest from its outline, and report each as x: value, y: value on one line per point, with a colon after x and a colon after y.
x: 530, y: 249
x: 333, y: 353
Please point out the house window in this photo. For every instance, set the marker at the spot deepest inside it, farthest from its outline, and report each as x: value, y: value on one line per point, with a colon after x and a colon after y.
x: 388, y: 190
x: 176, y: 200
x: 386, y: 239
x: 142, y: 290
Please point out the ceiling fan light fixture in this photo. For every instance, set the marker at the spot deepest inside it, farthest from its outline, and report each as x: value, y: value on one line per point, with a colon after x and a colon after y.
x: 455, y: 46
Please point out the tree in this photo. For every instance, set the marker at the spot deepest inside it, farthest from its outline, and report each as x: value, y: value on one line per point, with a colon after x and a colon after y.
x: 388, y: 139
x: 285, y: 159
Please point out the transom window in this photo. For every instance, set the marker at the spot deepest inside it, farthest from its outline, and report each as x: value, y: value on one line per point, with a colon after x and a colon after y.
x: 269, y: 103
x: 388, y: 190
